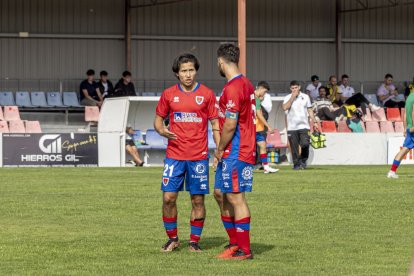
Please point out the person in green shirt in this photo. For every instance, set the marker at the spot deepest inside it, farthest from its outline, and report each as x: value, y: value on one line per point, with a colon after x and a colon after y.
x: 409, y: 136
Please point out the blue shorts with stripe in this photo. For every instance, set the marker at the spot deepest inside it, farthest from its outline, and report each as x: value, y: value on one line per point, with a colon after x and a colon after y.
x: 409, y: 140
x: 195, y: 174
x: 234, y: 176
x: 260, y: 137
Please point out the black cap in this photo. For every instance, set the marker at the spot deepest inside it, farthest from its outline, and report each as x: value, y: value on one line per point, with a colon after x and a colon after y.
x: 314, y: 78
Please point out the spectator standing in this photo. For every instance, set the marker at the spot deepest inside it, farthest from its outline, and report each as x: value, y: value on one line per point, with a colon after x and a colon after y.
x: 105, y: 85
x: 266, y: 102
x: 124, y: 87
x: 297, y: 106
x: 89, y: 91
x: 313, y: 88
x: 387, y: 93
x: 347, y: 90
x: 261, y: 124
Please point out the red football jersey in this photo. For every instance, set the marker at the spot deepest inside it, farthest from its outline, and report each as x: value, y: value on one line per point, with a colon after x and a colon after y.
x: 189, y: 113
x: 238, y: 97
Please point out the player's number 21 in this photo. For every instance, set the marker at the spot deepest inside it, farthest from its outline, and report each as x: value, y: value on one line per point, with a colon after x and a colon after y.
x: 168, y: 168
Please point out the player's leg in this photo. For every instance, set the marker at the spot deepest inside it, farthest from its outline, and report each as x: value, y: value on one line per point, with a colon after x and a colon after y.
x: 263, y: 157
x: 198, y: 214
x: 304, y: 141
x: 238, y: 178
x: 172, y: 183
x: 407, y: 146
x: 293, y: 137
x: 197, y: 173
x: 227, y: 214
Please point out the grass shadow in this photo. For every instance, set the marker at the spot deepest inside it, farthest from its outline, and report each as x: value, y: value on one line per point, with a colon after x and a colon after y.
x: 260, y: 248
x: 213, y: 242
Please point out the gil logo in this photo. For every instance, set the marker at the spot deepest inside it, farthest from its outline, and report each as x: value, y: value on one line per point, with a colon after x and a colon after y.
x: 200, y: 168
x: 53, y: 146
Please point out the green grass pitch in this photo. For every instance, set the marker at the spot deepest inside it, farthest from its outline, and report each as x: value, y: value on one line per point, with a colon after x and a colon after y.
x: 327, y: 220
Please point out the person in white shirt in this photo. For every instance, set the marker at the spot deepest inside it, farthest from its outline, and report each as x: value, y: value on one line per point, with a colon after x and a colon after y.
x: 313, y: 88
x: 298, y: 107
x: 347, y: 90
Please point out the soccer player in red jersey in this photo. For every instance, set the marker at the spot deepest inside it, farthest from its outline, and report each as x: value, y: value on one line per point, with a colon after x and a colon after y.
x: 236, y: 153
x: 189, y: 105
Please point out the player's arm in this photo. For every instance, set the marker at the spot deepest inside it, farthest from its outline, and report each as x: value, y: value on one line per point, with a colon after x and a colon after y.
x: 227, y: 133
x: 216, y: 131
x: 288, y: 104
x: 412, y: 120
x: 86, y: 94
x: 161, y: 129
x: 98, y: 92
x: 312, y: 116
x: 262, y: 119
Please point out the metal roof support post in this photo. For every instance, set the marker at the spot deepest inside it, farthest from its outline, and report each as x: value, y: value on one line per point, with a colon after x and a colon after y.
x: 338, y: 38
x: 241, y: 11
x: 128, y: 34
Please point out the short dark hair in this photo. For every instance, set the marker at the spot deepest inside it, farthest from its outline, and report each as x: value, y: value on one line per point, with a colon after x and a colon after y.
x: 345, y: 76
x: 184, y: 58
x: 294, y: 82
x: 103, y: 73
x: 388, y: 76
x: 90, y: 72
x: 263, y: 84
x: 126, y: 73
x: 229, y: 52
x: 323, y: 87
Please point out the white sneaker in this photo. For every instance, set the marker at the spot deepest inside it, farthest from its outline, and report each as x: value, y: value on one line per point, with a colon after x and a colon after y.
x: 374, y: 108
x: 392, y: 174
x: 268, y: 169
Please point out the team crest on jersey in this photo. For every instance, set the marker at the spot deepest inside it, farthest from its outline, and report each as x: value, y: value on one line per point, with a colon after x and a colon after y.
x: 165, y: 181
x: 199, y: 99
x: 230, y: 104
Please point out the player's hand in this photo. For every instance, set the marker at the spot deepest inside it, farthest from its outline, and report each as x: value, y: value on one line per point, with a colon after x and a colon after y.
x: 270, y: 130
x: 168, y: 134
x: 295, y: 94
x: 411, y: 130
x: 218, y: 154
x: 215, y: 162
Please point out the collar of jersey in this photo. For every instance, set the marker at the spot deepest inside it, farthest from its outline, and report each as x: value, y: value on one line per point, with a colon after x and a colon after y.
x: 194, y: 90
x: 236, y: 77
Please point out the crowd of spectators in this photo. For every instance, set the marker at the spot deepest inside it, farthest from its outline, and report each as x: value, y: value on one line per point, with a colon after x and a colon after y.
x: 93, y: 93
x: 339, y: 101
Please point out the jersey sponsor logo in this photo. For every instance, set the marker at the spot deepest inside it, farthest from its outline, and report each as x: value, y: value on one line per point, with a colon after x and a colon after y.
x: 199, y: 99
x: 247, y: 173
x: 165, y: 181
x: 186, y: 117
x: 203, y: 187
x: 176, y: 99
x: 200, y: 168
x: 230, y: 104
x: 224, y: 168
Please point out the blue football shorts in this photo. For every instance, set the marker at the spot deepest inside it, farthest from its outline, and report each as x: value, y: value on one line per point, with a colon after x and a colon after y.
x: 234, y: 176
x: 260, y: 137
x: 195, y: 174
x: 409, y: 140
